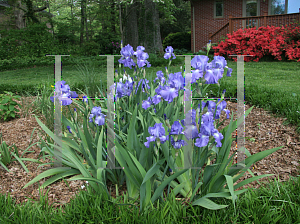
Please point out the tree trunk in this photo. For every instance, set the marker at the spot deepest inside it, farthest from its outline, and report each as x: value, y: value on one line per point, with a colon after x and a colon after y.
x: 51, y: 21
x: 120, y: 19
x: 157, y: 36
x: 113, y: 17
x: 86, y: 23
x: 72, y: 17
x: 131, y: 32
x: 19, y: 16
x: 82, y: 22
x: 152, y: 37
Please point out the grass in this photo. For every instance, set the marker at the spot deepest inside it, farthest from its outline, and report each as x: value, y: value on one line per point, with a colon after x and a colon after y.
x: 274, y: 203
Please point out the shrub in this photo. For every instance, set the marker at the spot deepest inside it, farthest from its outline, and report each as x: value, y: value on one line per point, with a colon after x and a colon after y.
x: 262, y: 41
x: 107, y: 41
x: 33, y: 40
x: 90, y: 48
x: 65, y: 35
x: 181, y: 51
x: 180, y: 40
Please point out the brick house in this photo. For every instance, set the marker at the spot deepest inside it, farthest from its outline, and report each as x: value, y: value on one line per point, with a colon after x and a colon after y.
x: 213, y: 19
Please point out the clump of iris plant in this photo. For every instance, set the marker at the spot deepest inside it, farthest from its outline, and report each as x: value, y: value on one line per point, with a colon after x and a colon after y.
x: 169, y: 90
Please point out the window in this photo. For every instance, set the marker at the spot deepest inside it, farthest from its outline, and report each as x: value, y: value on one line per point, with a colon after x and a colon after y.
x: 277, y: 7
x: 219, y: 9
x: 251, y: 10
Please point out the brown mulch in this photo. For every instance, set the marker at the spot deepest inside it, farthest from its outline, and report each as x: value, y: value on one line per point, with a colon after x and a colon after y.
x: 270, y: 134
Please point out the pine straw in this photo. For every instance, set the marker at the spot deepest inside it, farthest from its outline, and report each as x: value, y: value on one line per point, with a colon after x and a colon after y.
x: 270, y: 134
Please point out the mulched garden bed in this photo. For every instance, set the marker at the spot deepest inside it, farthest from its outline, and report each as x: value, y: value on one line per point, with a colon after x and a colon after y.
x: 270, y: 134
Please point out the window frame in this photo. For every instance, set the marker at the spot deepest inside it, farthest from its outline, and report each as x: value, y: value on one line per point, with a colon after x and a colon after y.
x: 215, y: 9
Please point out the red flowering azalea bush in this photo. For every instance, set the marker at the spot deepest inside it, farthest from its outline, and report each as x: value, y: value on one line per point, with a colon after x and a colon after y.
x: 263, y: 41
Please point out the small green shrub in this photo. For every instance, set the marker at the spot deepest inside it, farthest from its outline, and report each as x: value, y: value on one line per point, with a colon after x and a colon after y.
x: 90, y: 48
x: 154, y: 60
x: 65, y: 34
x: 181, y: 51
x: 33, y: 40
x: 7, y: 106
x: 180, y: 40
x: 108, y: 42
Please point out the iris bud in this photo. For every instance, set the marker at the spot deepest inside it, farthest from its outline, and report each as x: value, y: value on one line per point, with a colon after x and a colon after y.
x: 168, y: 123
x: 175, y: 138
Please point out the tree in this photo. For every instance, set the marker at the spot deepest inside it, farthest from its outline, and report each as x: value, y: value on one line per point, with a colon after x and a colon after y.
x: 141, y: 25
x: 22, y: 12
x: 152, y: 38
x: 175, y: 18
x: 131, y: 32
x: 136, y: 22
x: 30, y: 12
x: 83, y: 7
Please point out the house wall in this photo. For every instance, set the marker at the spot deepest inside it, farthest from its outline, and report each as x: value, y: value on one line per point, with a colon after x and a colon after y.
x: 205, y: 22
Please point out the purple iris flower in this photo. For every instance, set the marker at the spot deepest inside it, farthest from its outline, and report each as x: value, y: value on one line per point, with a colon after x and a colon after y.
x: 213, y: 70
x: 157, y: 131
x: 229, y: 71
x: 122, y: 89
x: 160, y: 76
x: 219, y: 62
x: 212, y: 105
x: 196, y: 74
x: 155, y: 100
x: 126, y: 59
x: 69, y: 129
x: 144, y: 85
x: 141, y: 57
x: 176, y: 128
x: 210, y: 77
x: 207, y: 129
x: 176, y: 81
x: 199, y: 62
x: 178, y: 144
x: 100, y: 118
x: 146, y: 103
x: 66, y: 93
x: 168, y: 93
x: 169, y: 53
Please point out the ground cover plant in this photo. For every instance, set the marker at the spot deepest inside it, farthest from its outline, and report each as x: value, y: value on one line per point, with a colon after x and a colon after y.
x: 170, y: 214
